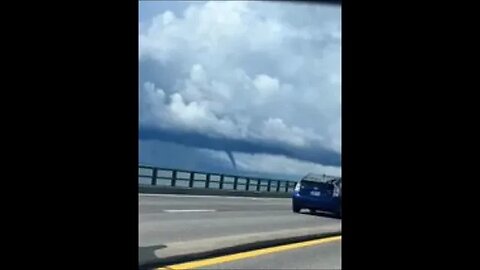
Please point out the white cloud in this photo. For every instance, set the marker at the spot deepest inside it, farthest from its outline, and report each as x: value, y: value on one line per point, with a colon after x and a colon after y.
x: 188, y: 116
x: 198, y: 117
x: 275, y: 129
x: 198, y: 75
x: 244, y: 69
x: 266, y: 86
x: 168, y: 17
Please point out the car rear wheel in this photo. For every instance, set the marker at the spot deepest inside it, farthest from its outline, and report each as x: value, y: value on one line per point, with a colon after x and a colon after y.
x: 296, y: 208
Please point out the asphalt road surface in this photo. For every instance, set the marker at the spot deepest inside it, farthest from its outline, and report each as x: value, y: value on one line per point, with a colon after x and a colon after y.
x: 322, y: 256
x: 167, y: 222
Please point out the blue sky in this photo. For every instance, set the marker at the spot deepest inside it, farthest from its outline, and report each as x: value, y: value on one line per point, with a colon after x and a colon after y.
x: 240, y: 87
x: 150, y: 9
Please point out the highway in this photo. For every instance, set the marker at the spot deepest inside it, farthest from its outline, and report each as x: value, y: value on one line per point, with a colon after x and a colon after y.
x: 322, y: 256
x: 172, y: 225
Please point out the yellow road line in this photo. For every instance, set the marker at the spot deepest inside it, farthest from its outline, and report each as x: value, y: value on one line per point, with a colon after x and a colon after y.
x: 248, y: 254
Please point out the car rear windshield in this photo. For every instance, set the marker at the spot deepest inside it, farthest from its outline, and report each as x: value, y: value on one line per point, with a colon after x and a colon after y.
x: 321, y: 178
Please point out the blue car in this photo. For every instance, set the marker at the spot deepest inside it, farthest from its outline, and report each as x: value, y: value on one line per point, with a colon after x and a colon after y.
x: 318, y: 192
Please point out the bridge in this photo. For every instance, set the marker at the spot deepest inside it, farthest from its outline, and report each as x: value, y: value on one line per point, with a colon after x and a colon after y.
x: 205, y: 220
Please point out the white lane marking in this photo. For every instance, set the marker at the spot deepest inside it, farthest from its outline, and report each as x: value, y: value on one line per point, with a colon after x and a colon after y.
x: 188, y: 210
x: 208, y: 196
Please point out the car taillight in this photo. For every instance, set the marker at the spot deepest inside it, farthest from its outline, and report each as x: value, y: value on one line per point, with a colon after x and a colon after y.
x: 297, y: 187
x: 336, y: 191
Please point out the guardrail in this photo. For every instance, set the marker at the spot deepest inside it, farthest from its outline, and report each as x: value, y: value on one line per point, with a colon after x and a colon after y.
x: 196, y: 179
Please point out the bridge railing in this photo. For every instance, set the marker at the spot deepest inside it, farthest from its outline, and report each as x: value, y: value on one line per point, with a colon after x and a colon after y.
x: 196, y: 179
